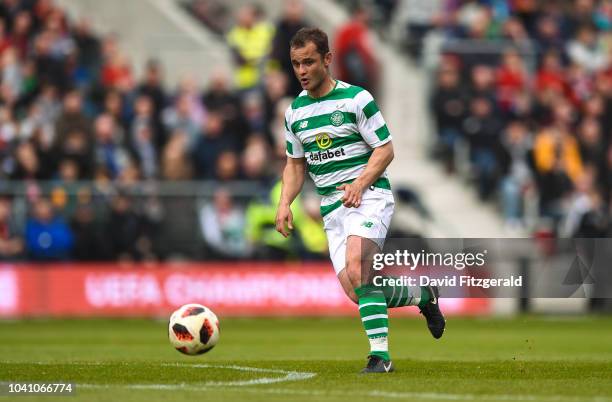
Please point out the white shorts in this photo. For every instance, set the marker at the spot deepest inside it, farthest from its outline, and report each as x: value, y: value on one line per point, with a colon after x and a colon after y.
x: 371, y: 221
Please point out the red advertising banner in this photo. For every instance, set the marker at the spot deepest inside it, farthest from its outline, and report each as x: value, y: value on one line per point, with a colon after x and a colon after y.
x: 243, y: 289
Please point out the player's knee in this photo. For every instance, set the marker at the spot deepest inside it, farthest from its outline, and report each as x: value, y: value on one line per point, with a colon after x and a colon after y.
x: 353, y: 268
x: 353, y: 261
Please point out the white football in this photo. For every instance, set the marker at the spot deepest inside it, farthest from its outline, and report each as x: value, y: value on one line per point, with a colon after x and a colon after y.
x: 193, y: 329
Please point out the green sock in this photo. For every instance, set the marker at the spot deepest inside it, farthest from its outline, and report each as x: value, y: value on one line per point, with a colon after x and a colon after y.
x: 402, y: 295
x: 425, y: 296
x: 373, y: 312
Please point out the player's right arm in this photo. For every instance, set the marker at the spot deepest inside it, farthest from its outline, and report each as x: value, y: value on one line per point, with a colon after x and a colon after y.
x: 293, y: 180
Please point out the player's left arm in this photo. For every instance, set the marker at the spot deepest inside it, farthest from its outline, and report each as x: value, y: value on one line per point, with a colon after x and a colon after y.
x: 375, y: 133
x: 379, y: 160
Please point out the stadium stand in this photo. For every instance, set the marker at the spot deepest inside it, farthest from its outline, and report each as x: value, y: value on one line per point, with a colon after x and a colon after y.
x: 525, y: 88
x: 93, y: 156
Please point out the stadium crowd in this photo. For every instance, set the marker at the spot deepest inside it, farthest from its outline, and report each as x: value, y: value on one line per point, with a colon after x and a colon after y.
x: 526, y: 87
x: 86, y: 146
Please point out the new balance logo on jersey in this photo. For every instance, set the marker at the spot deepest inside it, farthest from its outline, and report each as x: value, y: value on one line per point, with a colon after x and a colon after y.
x: 325, y: 155
x: 303, y: 124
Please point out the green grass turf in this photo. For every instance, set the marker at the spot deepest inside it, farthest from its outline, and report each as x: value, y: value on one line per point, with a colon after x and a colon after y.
x: 527, y: 358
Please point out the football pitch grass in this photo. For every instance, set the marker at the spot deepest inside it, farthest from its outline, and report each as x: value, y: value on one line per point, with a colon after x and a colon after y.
x: 529, y: 358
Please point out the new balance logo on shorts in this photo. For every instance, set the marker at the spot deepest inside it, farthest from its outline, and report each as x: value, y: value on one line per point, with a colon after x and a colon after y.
x: 367, y: 224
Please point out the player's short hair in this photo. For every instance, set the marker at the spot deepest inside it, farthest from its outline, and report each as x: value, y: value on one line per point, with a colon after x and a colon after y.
x: 314, y: 35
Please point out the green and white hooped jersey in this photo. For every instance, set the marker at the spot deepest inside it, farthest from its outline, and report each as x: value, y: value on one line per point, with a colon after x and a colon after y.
x: 336, y: 134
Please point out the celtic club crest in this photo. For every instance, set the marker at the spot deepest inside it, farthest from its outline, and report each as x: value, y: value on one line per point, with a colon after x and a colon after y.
x: 337, y: 118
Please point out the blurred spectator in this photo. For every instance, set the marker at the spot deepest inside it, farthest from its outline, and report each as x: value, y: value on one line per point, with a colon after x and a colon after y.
x: 448, y: 107
x: 482, y: 129
x: 47, y: 236
x: 511, y: 78
x: 72, y: 118
x: 11, y: 73
x: 188, y: 88
x: 222, y: 227
x: 255, y: 161
x: 116, y: 72
x: 78, y: 147
x: 582, y: 14
x: 291, y: 21
x: 49, y: 108
x: 130, y: 239
x: 62, y: 44
x: 603, y: 15
x: 307, y: 242
x: 558, y: 163
x: 528, y: 11
x: 355, y: 58
x: 11, y: 243
x: 91, y: 242
x: 144, y: 116
x: 113, y: 106
x: 21, y: 32
x: 175, y: 161
x: 586, y: 50
x: 65, y: 191
x: 89, y: 48
x: 605, y: 177
x: 180, y: 117
x: 143, y: 146
x: 109, y: 153
x: 8, y: 127
x: 212, y: 142
x: 151, y: 88
x: 250, y: 40
x: 551, y: 75
x: 27, y: 164
x: 227, y: 167
x: 254, y: 112
x: 483, y: 83
x: 274, y: 90
x: 421, y: 17
x: 555, y: 147
x: 590, y: 141
x: 515, y: 31
x: 219, y: 98
x: 587, y: 215
x: 50, y: 68
x: 549, y: 36
x: 517, y: 147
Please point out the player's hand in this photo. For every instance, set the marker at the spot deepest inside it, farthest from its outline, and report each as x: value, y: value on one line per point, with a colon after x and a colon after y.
x: 352, y: 194
x: 284, y: 217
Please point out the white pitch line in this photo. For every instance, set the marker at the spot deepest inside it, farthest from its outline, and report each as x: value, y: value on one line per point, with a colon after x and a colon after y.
x: 289, y: 375
x: 383, y: 394
x: 298, y: 376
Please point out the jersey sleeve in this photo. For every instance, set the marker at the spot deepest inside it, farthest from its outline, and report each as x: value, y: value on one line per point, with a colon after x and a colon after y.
x: 371, y: 124
x: 294, y: 145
